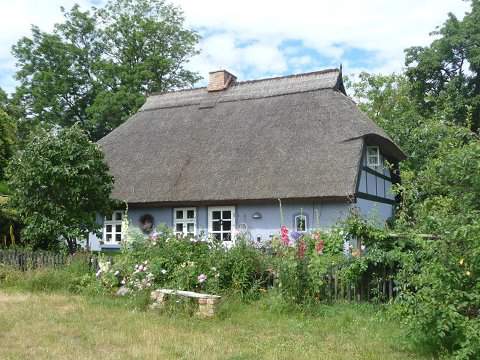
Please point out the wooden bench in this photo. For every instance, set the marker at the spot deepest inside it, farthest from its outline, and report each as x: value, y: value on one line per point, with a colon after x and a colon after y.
x: 206, y: 303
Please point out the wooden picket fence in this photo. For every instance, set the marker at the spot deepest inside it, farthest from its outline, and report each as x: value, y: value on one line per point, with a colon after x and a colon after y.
x: 371, y: 288
x: 26, y: 260
x: 30, y: 260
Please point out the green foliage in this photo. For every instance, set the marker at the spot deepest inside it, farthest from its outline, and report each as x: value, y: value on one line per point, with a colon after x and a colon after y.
x: 96, y: 66
x: 7, y: 141
x: 440, y: 281
x: 163, y: 260
x: 440, y: 196
x: 445, y: 75
x: 59, y: 181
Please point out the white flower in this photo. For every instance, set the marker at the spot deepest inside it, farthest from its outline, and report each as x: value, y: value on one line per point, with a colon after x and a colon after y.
x: 117, y: 273
x: 163, y: 271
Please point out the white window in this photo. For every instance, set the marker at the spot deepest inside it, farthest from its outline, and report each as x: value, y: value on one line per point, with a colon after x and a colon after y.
x: 112, y: 228
x: 185, y: 221
x: 373, y: 156
x: 300, y: 223
x: 221, y: 222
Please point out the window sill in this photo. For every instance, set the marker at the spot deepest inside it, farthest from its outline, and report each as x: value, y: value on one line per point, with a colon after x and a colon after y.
x: 109, y: 247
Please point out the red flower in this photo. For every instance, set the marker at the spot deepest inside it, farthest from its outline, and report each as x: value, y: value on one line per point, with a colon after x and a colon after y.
x: 319, y: 246
x: 284, y: 232
x: 301, y: 249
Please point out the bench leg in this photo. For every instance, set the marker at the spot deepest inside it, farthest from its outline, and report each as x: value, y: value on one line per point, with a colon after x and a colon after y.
x: 206, y: 307
x: 159, y: 300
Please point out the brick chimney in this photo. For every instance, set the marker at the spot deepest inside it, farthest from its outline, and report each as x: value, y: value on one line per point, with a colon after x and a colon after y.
x: 220, y: 80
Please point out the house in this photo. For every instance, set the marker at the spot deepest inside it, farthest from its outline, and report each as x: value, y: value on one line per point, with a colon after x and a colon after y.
x: 249, y: 155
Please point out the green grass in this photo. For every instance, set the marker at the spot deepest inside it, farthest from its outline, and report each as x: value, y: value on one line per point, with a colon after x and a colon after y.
x: 61, y: 326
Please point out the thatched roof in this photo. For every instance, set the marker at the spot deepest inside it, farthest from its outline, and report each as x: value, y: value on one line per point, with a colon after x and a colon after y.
x: 289, y: 137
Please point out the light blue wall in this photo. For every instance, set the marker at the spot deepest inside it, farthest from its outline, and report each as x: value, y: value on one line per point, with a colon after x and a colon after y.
x: 161, y: 215
x: 378, y: 212
x: 320, y: 215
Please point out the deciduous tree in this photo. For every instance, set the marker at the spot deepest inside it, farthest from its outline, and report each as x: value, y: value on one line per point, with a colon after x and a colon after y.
x: 58, y: 183
x: 96, y: 67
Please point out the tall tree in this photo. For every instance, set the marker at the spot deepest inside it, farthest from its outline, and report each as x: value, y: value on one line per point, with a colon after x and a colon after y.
x: 96, y: 67
x: 445, y: 76
x: 7, y: 136
x: 387, y: 100
x: 58, y: 183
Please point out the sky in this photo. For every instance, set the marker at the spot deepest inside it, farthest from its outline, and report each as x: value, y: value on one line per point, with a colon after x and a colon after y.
x: 262, y: 38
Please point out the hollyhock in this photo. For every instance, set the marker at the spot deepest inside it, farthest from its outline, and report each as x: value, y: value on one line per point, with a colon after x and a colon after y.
x: 284, y: 232
x: 301, y: 249
x: 319, y: 246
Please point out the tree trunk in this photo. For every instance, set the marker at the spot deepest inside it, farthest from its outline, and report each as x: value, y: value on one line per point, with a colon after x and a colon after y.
x: 72, y: 246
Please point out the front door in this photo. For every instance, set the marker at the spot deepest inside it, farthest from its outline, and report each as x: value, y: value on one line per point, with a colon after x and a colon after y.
x: 221, y: 222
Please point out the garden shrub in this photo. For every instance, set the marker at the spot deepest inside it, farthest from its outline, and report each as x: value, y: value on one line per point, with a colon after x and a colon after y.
x: 304, y: 261
x: 164, y: 261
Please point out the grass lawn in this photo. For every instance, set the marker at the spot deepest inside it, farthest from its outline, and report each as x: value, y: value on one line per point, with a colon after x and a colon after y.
x: 57, y: 326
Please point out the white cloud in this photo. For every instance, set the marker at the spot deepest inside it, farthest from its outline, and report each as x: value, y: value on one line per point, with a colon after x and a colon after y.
x: 385, y: 28
x: 246, y: 36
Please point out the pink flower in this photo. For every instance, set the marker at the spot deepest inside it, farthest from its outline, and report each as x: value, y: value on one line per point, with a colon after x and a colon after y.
x: 284, y: 232
x: 202, y: 278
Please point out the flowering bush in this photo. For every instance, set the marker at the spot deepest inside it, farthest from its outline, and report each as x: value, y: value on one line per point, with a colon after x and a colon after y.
x: 161, y: 260
x: 303, y: 260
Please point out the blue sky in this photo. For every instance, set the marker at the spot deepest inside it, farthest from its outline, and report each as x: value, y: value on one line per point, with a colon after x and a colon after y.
x: 260, y: 38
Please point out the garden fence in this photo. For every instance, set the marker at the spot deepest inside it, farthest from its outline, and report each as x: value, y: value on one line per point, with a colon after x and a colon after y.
x: 372, y: 287
x: 29, y: 260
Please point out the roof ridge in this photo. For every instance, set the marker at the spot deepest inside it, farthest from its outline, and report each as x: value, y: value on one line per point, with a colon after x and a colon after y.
x: 243, y: 99
x: 318, y: 72
x: 245, y: 82
x: 157, y: 93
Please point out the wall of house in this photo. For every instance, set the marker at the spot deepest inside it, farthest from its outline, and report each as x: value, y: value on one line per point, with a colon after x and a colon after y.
x: 374, y: 199
x: 320, y: 215
x: 374, y: 210
x: 374, y: 196
x: 375, y: 181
